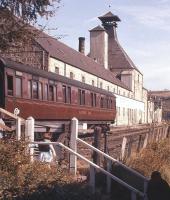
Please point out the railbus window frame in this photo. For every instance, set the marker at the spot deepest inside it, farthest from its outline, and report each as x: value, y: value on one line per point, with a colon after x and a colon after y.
x: 67, y: 97
x: 18, y: 88
x: 36, y: 91
x: 10, y: 85
x: 81, y: 97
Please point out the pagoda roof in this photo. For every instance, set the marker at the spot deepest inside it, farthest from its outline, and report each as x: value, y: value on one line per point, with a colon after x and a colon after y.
x: 110, y: 15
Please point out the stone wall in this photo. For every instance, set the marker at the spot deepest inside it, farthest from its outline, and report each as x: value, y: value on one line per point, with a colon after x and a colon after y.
x: 29, y: 54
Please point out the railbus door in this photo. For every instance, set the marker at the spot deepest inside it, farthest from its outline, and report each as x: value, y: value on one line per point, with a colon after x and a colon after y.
x: 2, y: 86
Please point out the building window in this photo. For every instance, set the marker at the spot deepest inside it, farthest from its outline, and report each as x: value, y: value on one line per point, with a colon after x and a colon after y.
x: 46, y: 91
x: 92, y: 82
x: 35, y: 89
x: 18, y: 86
x: 81, y: 97
x: 101, y: 85
x: 57, y: 70
x: 10, y: 87
x: 51, y: 93
x: 71, y: 75
x: 83, y: 79
x: 123, y: 111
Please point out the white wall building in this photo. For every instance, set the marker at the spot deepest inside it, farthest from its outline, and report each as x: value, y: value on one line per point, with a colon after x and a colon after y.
x: 107, y: 66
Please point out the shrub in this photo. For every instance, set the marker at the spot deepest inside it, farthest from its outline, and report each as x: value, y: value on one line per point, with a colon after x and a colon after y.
x: 154, y: 157
x: 21, y: 179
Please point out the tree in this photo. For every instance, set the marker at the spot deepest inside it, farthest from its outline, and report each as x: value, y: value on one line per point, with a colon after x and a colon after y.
x: 17, y: 16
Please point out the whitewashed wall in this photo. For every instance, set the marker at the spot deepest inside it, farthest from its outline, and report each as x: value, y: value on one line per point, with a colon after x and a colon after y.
x: 129, y: 111
x: 131, y: 105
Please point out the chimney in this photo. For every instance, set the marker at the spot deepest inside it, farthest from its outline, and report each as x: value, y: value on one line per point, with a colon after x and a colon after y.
x: 99, y: 46
x: 82, y: 45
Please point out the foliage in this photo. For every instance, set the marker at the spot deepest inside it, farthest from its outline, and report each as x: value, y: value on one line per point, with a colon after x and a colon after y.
x: 20, y: 179
x: 16, y: 17
x: 154, y: 157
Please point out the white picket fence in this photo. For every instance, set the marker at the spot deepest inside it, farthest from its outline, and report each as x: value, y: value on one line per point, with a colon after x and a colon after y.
x: 74, y: 155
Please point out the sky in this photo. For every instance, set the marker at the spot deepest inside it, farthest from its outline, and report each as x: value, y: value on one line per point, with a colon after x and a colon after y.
x: 144, y: 32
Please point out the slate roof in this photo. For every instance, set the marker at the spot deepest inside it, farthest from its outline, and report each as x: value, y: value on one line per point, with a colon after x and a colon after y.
x: 98, y: 28
x: 118, y: 58
x: 62, y: 52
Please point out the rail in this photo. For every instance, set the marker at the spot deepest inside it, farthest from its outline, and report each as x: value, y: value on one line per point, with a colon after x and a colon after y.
x: 19, y: 122
x: 133, y: 190
x: 11, y: 114
x: 112, y: 159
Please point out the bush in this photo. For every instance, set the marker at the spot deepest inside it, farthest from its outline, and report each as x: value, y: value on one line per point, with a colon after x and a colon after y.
x: 154, y: 157
x: 21, y: 179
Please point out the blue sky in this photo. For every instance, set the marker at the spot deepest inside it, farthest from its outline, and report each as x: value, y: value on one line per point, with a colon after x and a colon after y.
x: 144, y: 32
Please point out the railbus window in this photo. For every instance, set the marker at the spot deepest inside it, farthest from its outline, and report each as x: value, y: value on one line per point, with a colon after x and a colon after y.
x: 92, y: 102
x: 29, y: 90
x: 40, y: 91
x: 81, y: 97
x: 64, y: 94
x: 35, y: 89
x: 93, y: 99
x: 111, y: 104
x: 56, y: 93
x: 18, y: 82
x: 69, y: 95
x: 46, y: 92
x: 107, y: 103
x: 51, y: 93
x: 101, y: 102
x: 10, y: 87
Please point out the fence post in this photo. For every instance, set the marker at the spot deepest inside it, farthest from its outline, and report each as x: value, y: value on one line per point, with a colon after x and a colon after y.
x: 139, y: 143
x: 18, y: 128
x: 165, y: 132
x: 73, y: 145
x: 145, y: 189
x: 97, y: 144
x: 130, y: 147
x: 92, y: 182
x: 146, y: 140
x: 29, y: 129
x: 109, y: 167
x: 133, y: 195
x: 123, y: 149
x: 29, y: 134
